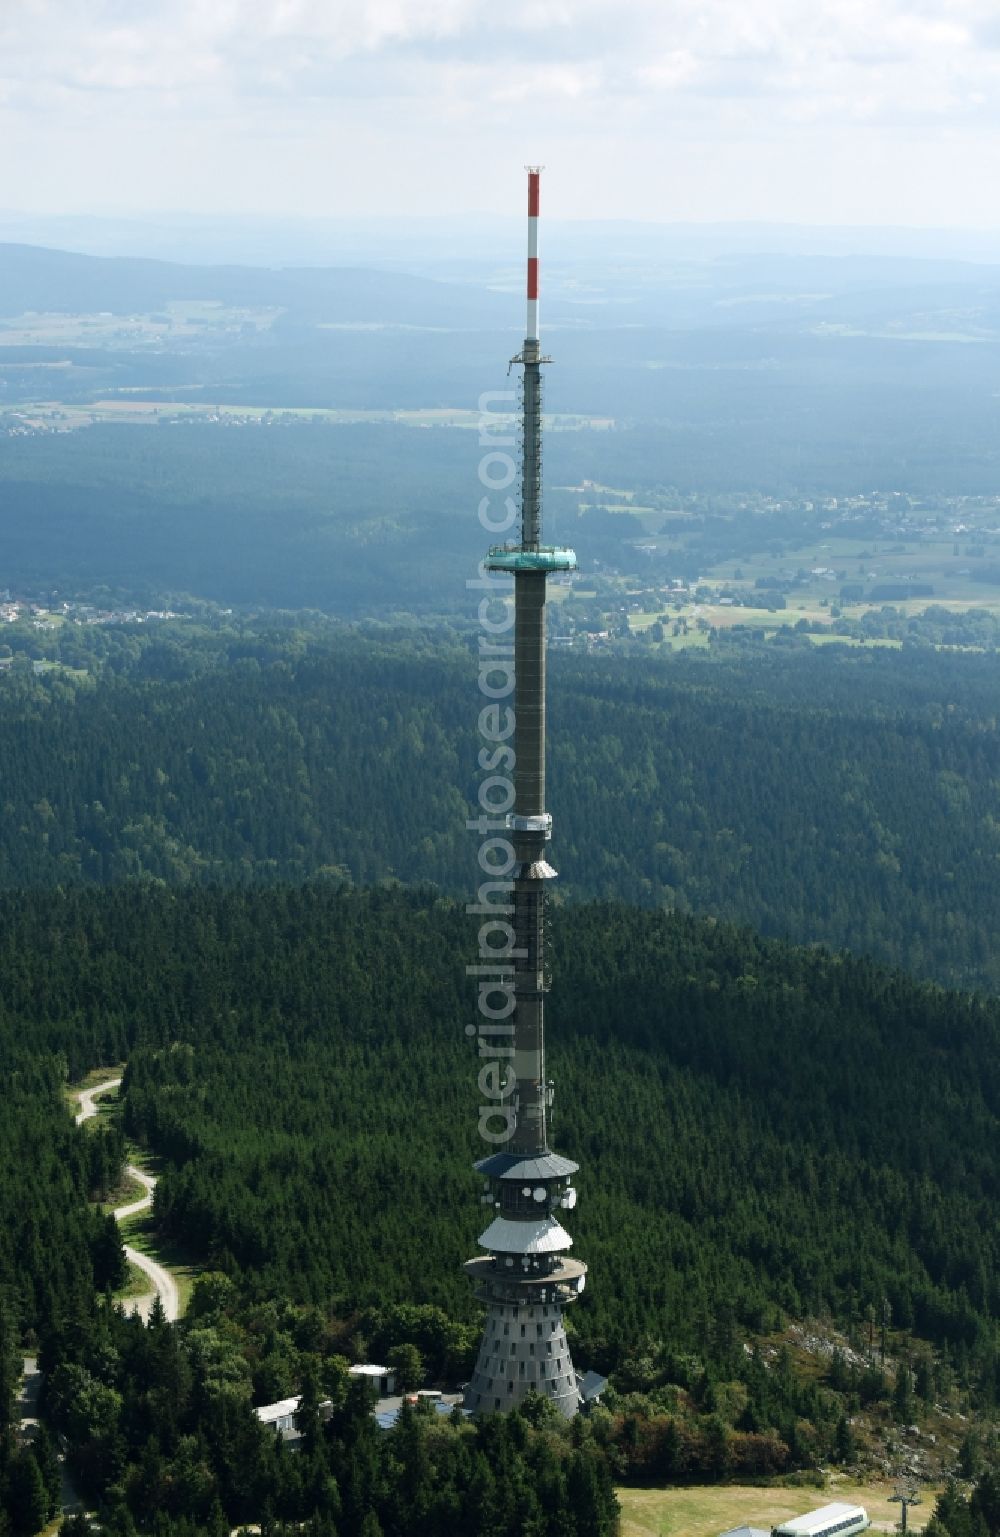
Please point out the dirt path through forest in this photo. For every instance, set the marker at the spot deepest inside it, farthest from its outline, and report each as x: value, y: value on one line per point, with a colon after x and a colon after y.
x: 165, y: 1287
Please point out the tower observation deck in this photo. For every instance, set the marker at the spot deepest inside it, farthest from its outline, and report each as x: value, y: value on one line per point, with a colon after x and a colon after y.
x: 526, y: 1276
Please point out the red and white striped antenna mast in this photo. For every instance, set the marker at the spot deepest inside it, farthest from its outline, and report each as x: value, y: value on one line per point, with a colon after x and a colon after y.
x: 534, y: 178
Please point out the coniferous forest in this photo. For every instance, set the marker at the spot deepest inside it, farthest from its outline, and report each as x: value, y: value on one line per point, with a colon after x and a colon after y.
x: 297, y: 1059
x: 200, y: 882
x: 841, y: 797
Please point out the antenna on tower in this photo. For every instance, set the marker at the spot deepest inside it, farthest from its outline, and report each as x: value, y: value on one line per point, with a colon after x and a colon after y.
x: 534, y: 183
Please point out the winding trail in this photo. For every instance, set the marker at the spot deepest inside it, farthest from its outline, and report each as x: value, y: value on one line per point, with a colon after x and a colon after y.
x: 86, y: 1099
x: 165, y: 1287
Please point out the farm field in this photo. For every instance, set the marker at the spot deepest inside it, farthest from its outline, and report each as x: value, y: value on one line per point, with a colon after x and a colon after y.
x: 179, y: 320
x: 708, y: 1511
x: 56, y: 415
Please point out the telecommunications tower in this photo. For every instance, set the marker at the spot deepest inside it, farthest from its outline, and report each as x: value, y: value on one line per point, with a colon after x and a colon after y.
x: 526, y: 1278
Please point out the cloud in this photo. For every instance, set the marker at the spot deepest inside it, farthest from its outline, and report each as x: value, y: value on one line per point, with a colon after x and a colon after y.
x: 816, y: 56
x: 596, y: 45
x: 734, y: 73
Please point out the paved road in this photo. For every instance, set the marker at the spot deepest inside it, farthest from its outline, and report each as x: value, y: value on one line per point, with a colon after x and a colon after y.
x: 163, y: 1282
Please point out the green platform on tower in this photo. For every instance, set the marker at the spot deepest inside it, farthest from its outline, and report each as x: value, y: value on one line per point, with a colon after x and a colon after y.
x: 515, y: 557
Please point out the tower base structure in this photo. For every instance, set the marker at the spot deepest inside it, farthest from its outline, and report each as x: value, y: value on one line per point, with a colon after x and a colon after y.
x: 524, y: 1349
x: 526, y: 1280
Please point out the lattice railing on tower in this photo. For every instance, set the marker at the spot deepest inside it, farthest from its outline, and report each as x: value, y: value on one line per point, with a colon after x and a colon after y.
x: 529, y: 427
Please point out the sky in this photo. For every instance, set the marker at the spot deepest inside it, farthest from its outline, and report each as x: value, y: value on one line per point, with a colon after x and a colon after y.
x: 804, y: 111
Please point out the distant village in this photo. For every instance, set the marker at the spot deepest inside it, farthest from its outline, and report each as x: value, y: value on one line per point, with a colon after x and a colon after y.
x: 41, y: 617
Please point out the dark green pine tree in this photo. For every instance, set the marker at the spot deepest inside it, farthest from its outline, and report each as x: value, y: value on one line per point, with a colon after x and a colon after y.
x: 590, y: 1496
x: 985, y: 1500
x: 307, y: 1415
x: 27, y: 1496
x: 845, y: 1448
x: 10, y: 1373
x: 108, y: 1256
x: 44, y: 1449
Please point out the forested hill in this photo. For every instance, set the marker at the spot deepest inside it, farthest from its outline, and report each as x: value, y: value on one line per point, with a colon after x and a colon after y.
x: 844, y: 797
x: 764, y: 1134
x: 760, y: 1129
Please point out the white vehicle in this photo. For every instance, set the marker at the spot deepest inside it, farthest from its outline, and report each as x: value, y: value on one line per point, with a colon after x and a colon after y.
x: 836, y: 1520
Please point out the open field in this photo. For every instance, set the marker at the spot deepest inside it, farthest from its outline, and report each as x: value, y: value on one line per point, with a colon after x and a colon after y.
x: 706, y: 1512
x: 720, y: 616
x: 687, y: 642
x: 855, y: 640
x: 819, y: 570
x: 180, y: 320
x: 57, y: 415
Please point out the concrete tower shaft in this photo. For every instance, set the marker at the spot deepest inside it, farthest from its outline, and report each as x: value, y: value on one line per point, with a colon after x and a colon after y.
x: 531, y: 829
x: 526, y: 1277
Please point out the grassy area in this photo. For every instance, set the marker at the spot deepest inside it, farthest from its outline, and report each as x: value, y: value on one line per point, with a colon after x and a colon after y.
x: 692, y: 640
x: 142, y: 411
x: 190, y: 318
x: 855, y: 640
x: 137, y: 1285
x: 123, y: 1195
x: 724, y: 616
x: 706, y: 1512
x: 95, y: 1076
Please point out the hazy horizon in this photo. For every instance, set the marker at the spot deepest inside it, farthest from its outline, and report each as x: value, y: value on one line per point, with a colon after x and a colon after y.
x: 445, y: 244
